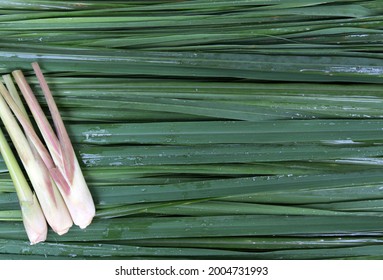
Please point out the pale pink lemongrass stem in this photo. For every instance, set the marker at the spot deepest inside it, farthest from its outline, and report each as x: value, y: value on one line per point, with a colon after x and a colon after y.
x: 51, y: 201
x: 42, y: 122
x: 68, y: 157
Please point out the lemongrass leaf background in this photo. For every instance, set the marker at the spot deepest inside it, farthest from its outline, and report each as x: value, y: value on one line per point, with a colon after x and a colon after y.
x: 210, y: 129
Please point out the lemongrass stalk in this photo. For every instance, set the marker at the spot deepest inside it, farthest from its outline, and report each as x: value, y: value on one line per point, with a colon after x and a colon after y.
x: 33, y: 217
x: 67, y: 174
x: 48, y: 195
x: 66, y: 163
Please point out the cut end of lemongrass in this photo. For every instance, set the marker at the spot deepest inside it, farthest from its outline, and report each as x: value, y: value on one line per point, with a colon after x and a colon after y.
x: 62, y: 231
x: 53, y: 205
x: 34, y: 221
x: 84, y: 210
x: 78, y: 199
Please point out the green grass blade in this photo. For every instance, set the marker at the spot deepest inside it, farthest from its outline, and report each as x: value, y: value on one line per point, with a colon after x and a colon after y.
x: 259, y: 243
x: 220, y: 132
x: 260, y: 67
x: 243, y: 225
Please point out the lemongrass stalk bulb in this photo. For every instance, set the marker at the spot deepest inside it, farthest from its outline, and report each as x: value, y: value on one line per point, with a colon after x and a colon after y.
x: 34, y: 220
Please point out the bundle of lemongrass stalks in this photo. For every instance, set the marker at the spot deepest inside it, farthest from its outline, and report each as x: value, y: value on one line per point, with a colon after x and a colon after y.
x: 61, y: 194
x: 209, y: 129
